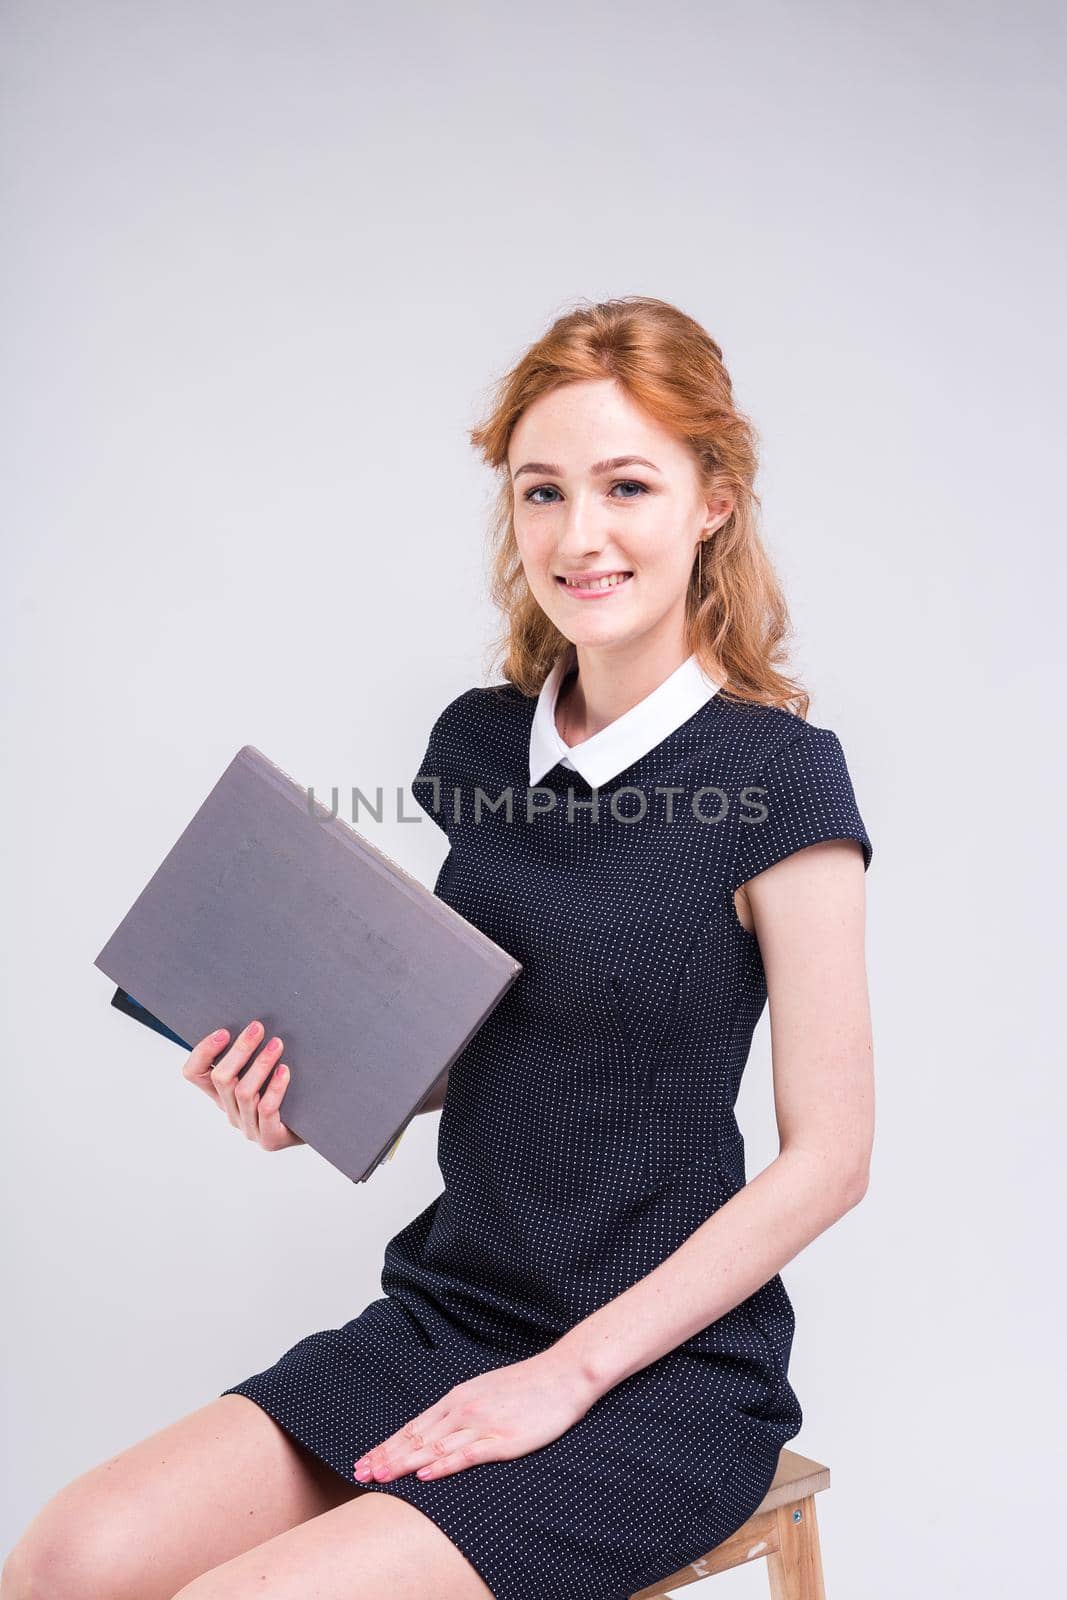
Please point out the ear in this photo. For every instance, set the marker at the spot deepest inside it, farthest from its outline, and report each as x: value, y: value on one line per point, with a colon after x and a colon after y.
x: 720, y: 505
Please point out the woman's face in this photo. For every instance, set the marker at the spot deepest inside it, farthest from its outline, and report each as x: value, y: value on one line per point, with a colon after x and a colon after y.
x: 581, y: 509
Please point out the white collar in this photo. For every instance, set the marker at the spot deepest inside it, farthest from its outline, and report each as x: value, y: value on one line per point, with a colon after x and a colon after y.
x: 603, y: 755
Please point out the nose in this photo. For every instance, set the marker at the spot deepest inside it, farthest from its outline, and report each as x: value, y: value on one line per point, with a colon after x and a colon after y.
x: 583, y: 528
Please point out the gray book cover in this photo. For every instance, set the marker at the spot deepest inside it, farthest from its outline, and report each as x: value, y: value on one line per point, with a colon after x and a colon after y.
x: 268, y: 906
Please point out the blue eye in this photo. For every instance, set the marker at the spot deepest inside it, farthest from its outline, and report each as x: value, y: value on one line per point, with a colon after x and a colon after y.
x: 621, y: 483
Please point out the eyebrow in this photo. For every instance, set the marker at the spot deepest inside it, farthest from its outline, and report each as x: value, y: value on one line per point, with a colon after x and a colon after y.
x: 549, y: 471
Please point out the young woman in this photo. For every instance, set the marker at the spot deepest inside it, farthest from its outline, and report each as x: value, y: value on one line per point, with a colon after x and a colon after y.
x: 576, y: 1380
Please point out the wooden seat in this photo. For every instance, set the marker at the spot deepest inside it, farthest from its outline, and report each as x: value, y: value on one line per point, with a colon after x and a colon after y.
x: 782, y: 1531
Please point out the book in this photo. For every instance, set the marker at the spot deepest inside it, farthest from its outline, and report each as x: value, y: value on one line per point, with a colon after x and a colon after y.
x: 269, y: 906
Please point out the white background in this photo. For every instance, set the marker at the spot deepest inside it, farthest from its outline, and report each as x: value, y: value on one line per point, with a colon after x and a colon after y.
x: 260, y: 266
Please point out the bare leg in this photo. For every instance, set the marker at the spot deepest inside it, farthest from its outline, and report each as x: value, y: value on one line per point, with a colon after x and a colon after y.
x: 149, y: 1520
x: 377, y: 1545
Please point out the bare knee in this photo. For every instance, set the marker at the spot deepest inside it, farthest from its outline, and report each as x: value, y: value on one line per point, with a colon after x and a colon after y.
x: 72, y: 1550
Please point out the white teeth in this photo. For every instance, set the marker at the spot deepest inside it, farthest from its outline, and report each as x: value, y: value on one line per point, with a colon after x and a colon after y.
x: 611, y: 582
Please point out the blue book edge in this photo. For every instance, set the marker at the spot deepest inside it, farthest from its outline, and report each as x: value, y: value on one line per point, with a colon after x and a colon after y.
x: 133, y: 1008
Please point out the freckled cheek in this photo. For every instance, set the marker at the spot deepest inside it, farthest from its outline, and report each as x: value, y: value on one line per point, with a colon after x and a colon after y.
x: 661, y: 553
x: 537, y: 556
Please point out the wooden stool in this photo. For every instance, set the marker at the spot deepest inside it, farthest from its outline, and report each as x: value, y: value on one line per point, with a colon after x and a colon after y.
x: 782, y: 1531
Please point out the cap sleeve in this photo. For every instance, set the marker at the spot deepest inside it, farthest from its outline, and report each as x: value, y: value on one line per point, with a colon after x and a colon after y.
x: 802, y: 796
x: 437, y: 776
x: 429, y: 785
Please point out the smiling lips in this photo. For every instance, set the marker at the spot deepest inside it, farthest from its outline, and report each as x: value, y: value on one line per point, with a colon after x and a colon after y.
x: 591, y: 588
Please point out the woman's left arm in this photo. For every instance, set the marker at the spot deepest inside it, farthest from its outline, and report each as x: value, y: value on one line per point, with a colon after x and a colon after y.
x: 808, y: 914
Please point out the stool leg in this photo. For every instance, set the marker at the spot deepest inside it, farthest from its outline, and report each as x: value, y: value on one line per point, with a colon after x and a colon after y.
x: 795, y: 1568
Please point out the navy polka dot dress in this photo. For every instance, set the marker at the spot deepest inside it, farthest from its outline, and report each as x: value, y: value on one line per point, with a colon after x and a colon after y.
x: 588, y: 1128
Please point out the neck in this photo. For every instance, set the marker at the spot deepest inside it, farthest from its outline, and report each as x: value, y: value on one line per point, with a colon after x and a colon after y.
x: 612, y: 679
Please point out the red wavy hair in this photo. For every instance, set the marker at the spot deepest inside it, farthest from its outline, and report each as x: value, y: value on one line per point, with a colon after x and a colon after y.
x: 736, y: 616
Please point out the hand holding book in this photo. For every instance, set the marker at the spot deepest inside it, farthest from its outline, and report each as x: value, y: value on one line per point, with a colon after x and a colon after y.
x: 249, y: 1091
